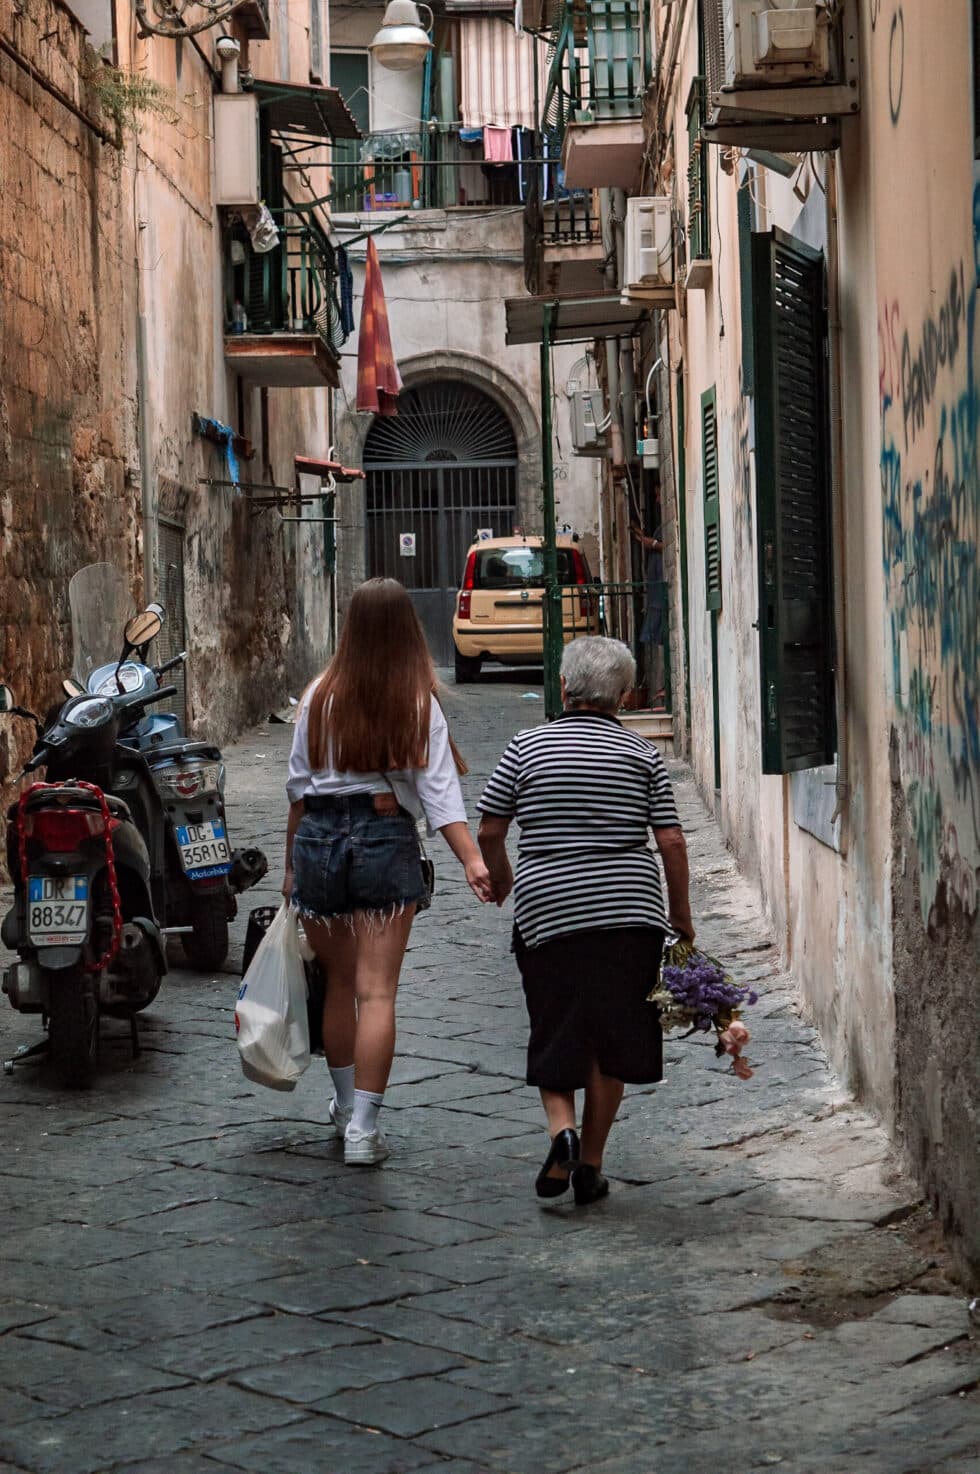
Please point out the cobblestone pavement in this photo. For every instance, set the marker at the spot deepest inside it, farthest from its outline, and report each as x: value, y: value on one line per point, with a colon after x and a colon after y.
x: 192, y: 1281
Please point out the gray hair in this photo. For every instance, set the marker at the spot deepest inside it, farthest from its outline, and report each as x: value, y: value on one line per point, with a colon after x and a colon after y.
x: 597, y: 672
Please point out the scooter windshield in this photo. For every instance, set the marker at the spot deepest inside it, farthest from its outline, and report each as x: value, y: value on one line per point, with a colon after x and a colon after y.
x: 101, y: 602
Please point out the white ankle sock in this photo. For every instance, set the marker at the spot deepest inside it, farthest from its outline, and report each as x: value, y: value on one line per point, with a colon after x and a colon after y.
x: 366, y: 1108
x: 343, y: 1084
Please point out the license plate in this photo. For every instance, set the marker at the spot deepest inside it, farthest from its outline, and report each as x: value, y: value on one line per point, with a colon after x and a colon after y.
x: 57, y: 910
x: 203, y: 849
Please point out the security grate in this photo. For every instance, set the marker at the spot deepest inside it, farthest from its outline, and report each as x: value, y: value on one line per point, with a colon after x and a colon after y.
x: 441, y: 421
x: 444, y: 468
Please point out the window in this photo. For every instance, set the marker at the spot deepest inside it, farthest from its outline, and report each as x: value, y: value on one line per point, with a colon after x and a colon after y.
x: 698, y: 198
x: 712, y: 501
x: 518, y: 568
x: 796, y: 639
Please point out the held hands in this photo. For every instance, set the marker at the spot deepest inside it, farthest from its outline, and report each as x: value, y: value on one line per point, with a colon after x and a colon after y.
x: 478, y: 878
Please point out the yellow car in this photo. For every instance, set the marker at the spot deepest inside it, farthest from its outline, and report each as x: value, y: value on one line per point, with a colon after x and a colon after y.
x: 499, y: 608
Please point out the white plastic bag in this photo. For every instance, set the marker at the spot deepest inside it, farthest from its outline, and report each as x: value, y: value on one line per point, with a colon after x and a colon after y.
x: 270, y: 1016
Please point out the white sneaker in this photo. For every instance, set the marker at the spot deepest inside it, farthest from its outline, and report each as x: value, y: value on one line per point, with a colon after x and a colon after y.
x: 340, y: 1120
x: 364, y: 1148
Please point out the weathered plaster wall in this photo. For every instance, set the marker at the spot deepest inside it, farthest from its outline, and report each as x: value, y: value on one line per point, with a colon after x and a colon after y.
x: 927, y: 231
x: 69, y: 490
x: 257, y: 592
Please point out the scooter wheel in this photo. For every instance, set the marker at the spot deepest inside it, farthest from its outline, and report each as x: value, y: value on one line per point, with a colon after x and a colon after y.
x: 206, y: 947
x: 73, y: 1026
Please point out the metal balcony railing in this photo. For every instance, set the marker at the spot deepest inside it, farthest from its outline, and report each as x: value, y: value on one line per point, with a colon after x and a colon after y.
x: 438, y: 170
x: 601, y: 64
x: 292, y: 289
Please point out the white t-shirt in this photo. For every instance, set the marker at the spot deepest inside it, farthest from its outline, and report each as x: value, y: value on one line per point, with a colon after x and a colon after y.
x: 433, y: 791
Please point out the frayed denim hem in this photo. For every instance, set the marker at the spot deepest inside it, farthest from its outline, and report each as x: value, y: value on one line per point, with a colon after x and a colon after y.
x: 374, y: 920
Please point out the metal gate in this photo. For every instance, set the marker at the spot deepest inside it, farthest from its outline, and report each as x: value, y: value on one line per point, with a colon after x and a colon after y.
x: 442, y: 469
x: 171, y: 639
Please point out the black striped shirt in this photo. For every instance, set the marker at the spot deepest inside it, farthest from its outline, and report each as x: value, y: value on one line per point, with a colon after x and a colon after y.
x: 586, y: 793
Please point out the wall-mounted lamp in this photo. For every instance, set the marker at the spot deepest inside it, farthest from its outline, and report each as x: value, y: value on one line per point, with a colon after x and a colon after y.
x: 402, y: 42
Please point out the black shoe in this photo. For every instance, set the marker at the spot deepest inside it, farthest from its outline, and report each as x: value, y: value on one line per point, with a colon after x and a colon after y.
x: 564, y: 1153
x: 588, y: 1184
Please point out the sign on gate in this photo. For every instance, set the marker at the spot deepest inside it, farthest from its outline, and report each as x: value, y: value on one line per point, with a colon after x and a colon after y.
x: 406, y: 544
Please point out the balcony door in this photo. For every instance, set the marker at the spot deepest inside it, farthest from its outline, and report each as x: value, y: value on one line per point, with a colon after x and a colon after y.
x: 441, y: 470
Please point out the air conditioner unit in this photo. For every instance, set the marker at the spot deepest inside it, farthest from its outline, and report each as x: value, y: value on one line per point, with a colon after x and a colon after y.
x: 649, y: 242
x: 588, y: 439
x: 779, y: 61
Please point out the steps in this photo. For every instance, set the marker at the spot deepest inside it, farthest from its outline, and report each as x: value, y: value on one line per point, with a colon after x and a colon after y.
x: 656, y: 726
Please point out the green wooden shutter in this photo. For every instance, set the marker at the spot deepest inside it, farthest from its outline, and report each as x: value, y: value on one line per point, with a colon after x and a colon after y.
x: 793, y: 496
x: 712, y: 517
x: 745, y: 213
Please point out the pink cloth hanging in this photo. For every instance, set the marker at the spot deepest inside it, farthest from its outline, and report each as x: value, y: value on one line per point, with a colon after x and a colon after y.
x: 498, y: 145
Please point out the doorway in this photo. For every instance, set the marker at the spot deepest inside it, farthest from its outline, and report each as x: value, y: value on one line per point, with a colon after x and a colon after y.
x: 439, y: 472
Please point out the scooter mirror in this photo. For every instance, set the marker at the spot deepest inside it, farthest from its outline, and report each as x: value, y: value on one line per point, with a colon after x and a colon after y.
x: 7, y: 699
x: 72, y: 688
x: 143, y: 627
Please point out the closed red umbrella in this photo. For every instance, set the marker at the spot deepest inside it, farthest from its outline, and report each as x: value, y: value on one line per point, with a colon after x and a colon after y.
x: 378, y: 380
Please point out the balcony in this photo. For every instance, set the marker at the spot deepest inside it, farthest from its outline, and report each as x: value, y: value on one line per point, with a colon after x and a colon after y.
x: 282, y: 313
x: 431, y: 170
x: 252, y: 19
x: 569, y: 250
x: 595, y: 90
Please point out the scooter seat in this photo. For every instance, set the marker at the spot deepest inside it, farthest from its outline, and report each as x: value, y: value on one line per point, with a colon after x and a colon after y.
x: 183, y: 749
x: 79, y: 798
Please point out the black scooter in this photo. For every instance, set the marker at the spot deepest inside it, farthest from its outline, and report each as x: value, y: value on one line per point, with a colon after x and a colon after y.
x: 83, y: 921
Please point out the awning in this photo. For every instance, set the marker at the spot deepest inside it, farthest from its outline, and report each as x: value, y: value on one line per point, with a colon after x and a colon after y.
x: 310, y: 466
x: 578, y: 319
x: 308, y: 113
x: 496, y: 75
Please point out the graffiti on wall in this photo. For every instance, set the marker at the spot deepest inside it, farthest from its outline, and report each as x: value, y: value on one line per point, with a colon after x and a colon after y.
x: 929, y: 368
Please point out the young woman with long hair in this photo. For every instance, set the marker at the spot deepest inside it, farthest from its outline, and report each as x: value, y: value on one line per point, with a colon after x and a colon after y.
x: 371, y: 755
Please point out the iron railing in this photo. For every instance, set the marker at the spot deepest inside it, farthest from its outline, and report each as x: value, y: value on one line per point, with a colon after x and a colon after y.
x: 698, y: 224
x: 601, y: 64
x: 437, y: 170
x: 291, y: 289
x: 634, y: 612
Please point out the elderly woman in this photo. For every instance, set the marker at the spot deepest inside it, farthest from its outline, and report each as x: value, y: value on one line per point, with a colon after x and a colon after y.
x: 589, y: 911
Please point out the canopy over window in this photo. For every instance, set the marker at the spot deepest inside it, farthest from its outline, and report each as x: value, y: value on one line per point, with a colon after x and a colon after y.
x: 496, y: 73
x: 309, y: 113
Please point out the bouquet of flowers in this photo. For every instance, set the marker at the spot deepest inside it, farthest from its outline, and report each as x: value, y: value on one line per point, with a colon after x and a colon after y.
x: 695, y: 993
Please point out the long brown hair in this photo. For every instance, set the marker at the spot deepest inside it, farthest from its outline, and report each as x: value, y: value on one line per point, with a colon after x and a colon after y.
x: 371, y: 706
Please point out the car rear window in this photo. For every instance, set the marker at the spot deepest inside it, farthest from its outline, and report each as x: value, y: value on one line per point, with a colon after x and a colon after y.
x: 522, y: 567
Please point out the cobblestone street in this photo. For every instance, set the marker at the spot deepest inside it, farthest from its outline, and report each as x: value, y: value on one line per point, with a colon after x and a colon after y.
x: 193, y: 1281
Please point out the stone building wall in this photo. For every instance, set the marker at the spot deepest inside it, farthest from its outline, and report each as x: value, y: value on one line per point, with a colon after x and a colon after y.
x: 69, y: 488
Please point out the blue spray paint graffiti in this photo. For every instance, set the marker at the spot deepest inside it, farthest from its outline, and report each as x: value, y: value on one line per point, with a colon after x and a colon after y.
x: 931, y: 549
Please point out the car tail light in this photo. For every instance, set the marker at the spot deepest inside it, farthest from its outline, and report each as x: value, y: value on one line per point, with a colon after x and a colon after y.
x: 581, y: 577
x: 469, y: 581
x: 62, y: 830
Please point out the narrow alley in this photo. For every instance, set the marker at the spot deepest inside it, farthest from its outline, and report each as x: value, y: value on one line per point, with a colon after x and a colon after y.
x: 194, y: 1282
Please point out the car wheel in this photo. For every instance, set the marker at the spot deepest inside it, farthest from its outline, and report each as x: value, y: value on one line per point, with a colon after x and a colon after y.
x: 467, y: 668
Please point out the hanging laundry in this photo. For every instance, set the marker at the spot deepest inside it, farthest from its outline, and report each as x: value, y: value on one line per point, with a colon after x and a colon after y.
x: 378, y: 380
x: 498, y: 145
x: 471, y: 135
x: 345, y: 285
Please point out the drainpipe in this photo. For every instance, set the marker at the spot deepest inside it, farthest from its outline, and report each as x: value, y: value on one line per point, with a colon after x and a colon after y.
x: 229, y: 50
x: 143, y: 427
x: 617, y: 456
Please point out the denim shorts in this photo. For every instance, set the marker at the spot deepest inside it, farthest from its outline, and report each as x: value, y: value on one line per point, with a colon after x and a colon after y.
x: 347, y: 858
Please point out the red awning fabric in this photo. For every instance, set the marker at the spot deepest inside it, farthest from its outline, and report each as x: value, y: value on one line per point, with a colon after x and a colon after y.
x: 378, y: 380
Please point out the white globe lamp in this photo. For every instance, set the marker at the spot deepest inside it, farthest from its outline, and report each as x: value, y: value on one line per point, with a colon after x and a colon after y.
x: 402, y: 42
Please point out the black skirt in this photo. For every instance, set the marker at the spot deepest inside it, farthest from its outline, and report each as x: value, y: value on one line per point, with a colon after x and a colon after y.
x: 586, y: 995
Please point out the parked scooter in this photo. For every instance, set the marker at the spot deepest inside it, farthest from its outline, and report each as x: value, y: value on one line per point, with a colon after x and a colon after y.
x: 196, y: 875
x: 83, y: 921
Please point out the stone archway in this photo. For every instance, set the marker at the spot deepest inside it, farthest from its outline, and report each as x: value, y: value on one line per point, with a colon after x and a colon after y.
x: 352, y: 432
